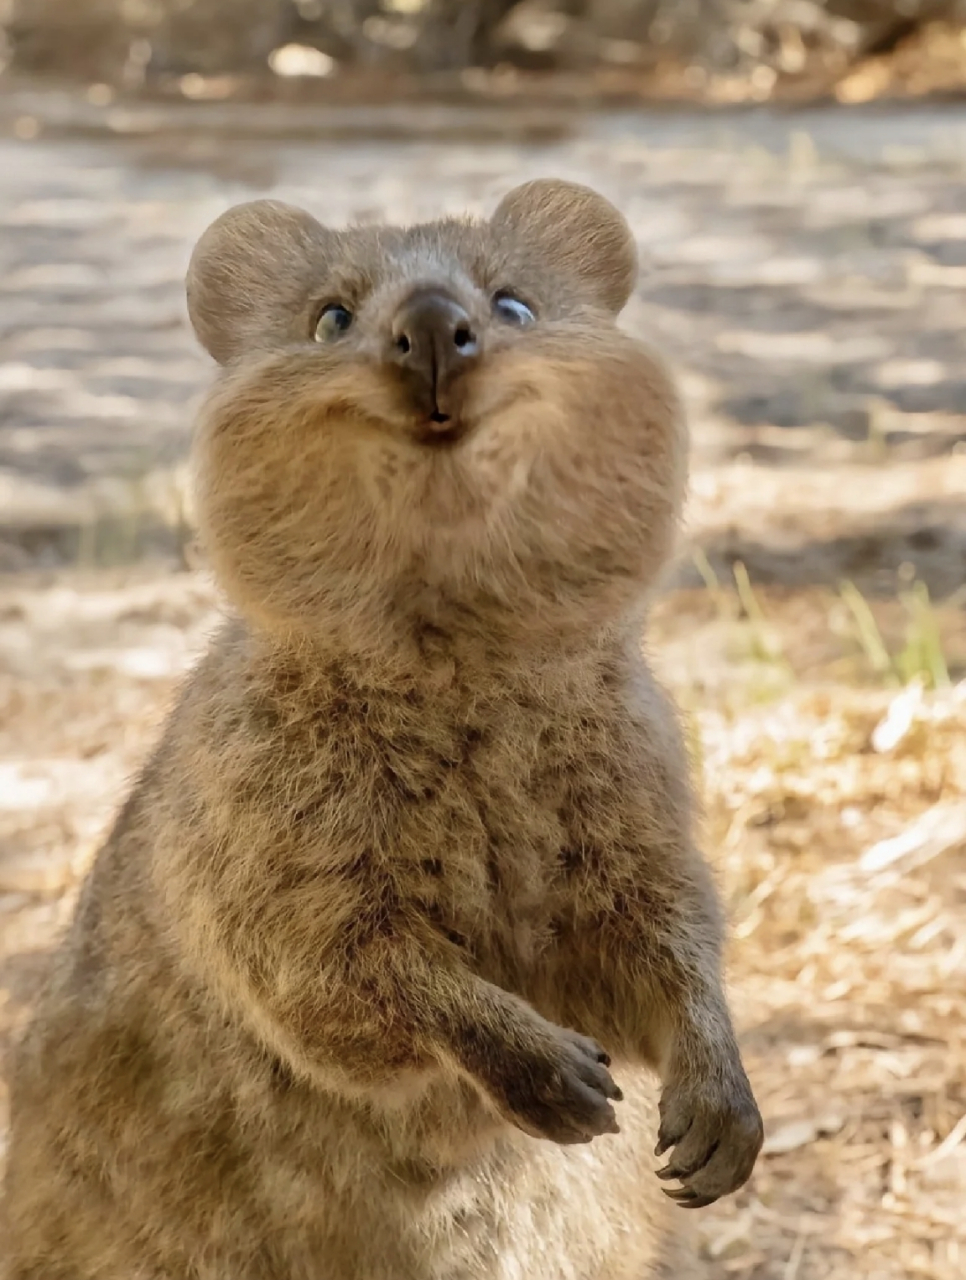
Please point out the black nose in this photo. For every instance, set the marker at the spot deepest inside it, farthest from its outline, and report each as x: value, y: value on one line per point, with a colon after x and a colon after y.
x: 432, y: 340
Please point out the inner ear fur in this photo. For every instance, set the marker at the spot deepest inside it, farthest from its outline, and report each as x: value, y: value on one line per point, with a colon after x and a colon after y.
x: 577, y: 229
x: 250, y: 277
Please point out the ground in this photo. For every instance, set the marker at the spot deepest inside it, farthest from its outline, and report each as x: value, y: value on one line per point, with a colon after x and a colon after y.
x: 805, y: 273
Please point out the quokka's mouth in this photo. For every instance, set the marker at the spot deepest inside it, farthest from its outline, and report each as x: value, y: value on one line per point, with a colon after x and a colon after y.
x: 442, y: 430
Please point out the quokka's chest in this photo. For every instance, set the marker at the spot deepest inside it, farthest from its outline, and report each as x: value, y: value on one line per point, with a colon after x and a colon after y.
x: 488, y: 830
x: 478, y: 813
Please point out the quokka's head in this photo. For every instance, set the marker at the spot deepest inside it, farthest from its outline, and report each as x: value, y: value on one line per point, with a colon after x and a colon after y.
x: 441, y: 414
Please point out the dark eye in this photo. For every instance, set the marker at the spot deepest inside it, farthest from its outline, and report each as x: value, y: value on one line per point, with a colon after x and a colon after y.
x: 333, y: 321
x: 512, y: 309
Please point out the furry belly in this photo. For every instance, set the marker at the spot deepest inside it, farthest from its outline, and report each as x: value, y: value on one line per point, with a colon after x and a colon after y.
x: 512, y: 1208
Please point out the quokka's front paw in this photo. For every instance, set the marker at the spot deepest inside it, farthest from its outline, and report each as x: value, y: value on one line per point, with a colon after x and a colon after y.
x: 716, y: 1131
x: 562, y: 1090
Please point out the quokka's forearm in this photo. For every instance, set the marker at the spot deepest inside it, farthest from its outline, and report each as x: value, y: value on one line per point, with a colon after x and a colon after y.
x: 353, y: 1013
x: 650, y: 979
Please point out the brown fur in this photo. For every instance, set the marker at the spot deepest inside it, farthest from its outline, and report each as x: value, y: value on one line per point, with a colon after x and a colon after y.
x: 421, y: 808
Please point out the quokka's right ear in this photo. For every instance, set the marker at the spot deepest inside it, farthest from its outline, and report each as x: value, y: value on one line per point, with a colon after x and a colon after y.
x: 575, y: 229
x: 252, y: 277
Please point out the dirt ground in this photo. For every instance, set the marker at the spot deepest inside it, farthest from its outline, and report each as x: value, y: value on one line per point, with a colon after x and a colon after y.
x: 806, y: 274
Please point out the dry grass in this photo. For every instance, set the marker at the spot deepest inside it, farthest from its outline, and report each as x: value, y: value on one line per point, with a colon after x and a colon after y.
x: 839, y: 817
x: 836, y: 810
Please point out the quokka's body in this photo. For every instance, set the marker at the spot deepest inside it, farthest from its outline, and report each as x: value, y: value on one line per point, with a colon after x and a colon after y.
x: 412, y: 871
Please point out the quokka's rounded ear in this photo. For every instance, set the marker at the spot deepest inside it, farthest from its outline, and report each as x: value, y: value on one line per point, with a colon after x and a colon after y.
x: 577, y: 230
x: 250, y: 278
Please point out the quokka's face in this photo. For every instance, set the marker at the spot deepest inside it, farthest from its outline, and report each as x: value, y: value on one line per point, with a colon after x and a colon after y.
x: 448, y: 407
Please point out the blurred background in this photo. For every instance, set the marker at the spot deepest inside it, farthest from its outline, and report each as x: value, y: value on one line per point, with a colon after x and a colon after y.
x: 795, y: 173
